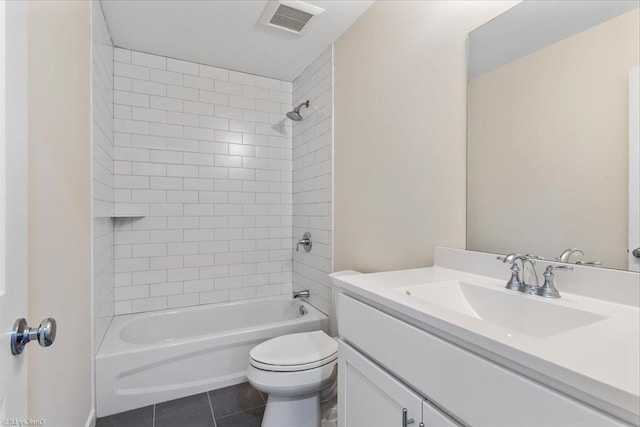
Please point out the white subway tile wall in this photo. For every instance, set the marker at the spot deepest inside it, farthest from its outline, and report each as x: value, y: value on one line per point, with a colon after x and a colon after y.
x: 102, y: 116
x: 312, y: 180
x: 207, y: 152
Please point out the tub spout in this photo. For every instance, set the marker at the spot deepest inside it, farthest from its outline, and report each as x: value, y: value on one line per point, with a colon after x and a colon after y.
x: 301, y: 294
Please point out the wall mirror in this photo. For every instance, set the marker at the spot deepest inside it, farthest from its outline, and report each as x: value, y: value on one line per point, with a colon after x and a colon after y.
x: 553, y: 118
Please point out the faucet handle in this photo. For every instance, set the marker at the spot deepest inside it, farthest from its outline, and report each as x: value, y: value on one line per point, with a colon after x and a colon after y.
x: 305, y: 242
x: 549, y: 290
x: 514, y: 283
x: 590, y: 263
x: 550, y: 269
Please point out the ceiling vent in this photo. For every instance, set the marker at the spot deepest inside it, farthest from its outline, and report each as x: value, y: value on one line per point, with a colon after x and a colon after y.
x: 291, y: 16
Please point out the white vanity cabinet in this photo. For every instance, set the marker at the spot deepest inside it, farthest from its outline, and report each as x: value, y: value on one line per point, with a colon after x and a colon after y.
x: 370, y: 397
x: 380, y: 353
x: 432, y: 417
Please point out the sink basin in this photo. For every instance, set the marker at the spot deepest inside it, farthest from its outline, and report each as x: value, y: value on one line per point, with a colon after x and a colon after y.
x: 525, y: 314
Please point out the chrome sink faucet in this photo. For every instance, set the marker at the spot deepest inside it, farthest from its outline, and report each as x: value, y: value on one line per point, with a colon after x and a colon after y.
x: 515, y: 283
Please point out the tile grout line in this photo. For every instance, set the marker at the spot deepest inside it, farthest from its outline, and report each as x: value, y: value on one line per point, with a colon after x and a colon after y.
x: 245, y: 410
x: 215, y: 424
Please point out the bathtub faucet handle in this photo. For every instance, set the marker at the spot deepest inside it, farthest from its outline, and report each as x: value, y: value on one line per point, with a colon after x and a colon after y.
x: 301, y: 294
x: 305, y: 242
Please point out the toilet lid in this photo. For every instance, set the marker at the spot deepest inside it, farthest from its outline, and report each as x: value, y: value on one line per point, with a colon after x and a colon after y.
x: 295, y: 352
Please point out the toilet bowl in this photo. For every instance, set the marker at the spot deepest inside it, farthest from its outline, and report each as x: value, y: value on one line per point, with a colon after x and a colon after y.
x: 294, y: 370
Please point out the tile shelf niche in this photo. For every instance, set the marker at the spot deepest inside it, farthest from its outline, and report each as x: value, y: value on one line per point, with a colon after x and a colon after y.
x: 128, y: 212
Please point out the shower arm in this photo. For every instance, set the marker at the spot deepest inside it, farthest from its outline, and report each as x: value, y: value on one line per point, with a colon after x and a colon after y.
x: 304, y: 104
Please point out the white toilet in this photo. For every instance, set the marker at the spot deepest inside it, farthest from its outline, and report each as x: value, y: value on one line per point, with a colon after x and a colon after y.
x: 294, y: 370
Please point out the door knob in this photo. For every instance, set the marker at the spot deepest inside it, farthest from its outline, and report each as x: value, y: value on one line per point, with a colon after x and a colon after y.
x: 636, y: 252
x: 22, y: 334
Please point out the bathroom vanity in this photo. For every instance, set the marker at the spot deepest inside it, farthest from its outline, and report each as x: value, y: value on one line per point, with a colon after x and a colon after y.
x: 449, y: 345
x: 552, y: 124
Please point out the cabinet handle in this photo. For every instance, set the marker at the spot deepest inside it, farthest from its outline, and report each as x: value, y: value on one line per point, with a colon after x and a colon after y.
x: 405, y: 421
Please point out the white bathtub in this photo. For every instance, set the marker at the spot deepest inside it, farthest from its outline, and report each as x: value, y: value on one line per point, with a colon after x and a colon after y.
x: 153, y: 357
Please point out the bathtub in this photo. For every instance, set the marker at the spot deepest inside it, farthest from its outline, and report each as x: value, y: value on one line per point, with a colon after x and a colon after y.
x: 148, y: 358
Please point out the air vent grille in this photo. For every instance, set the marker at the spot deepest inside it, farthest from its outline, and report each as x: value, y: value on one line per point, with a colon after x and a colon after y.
x: 290, y: 18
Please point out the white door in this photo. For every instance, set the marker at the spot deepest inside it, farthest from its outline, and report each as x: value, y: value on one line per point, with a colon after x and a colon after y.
x: 368, y: 396
x: 13, y: 204
x: 634, y: 169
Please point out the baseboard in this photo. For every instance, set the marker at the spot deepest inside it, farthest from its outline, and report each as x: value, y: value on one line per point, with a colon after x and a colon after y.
x: 91, y: 421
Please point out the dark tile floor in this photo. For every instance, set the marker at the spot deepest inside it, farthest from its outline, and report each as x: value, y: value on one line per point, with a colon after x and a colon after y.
x: 236, y: 406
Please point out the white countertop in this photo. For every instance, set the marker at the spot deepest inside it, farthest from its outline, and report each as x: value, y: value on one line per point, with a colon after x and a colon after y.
x: 598, y: 363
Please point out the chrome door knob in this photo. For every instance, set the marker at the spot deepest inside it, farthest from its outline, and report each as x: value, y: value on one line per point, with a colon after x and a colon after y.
x: 636, y: 252
x: 22, y: 334
x: 47, y: 332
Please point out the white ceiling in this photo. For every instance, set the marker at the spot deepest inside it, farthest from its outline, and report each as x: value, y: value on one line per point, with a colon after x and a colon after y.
x: 227, y: 33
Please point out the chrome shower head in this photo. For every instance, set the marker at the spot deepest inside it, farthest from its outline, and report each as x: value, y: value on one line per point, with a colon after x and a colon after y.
x: 295, y: 114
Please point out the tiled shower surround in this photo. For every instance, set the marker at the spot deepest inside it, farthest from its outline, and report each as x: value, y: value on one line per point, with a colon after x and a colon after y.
x: 206, y: 154
x: 102, y: 169
x: 312, y: 179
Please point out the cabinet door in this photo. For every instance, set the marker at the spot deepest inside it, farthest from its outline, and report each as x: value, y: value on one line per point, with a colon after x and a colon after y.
x: 432, y: 417
x: 369, y: 397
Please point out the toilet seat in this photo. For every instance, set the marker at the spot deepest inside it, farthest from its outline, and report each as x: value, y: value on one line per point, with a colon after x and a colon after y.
x: 298, y: 383
x: 293, y: 368
x: 295, y: 352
